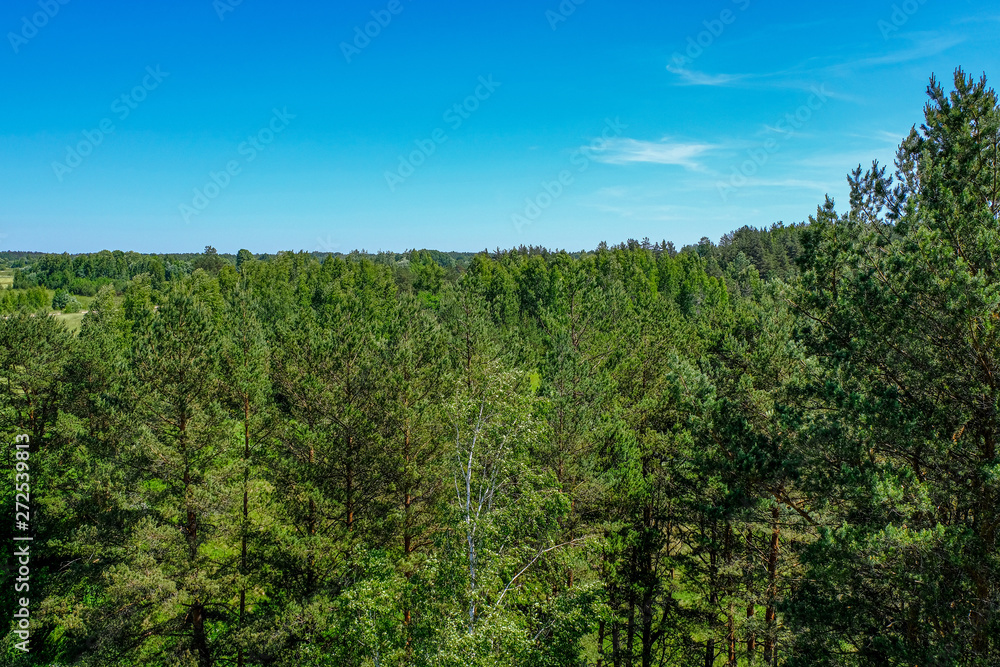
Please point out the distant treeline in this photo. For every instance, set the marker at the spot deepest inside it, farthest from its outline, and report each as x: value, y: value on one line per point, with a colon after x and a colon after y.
x: 771, y: 251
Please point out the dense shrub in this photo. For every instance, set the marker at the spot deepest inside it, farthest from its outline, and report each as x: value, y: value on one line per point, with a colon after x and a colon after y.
x: 13, y: 300
x: 60, y: 299
x: 87, y: 286
x: 24, y: 280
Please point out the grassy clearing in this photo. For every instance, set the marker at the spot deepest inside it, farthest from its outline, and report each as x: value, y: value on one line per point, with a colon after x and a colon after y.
x: 85, y: 301
x: 6, y: 279
x: 73, y: 321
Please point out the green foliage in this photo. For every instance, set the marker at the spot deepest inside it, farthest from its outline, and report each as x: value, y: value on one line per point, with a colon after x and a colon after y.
x: 23, y: 280
x: 901, y: 296
x: 65, y: 302
x: 209, y: 261
x: 777, y: 450
x: 243, y: 257
x: 60, y: 300
x: 31, y: 299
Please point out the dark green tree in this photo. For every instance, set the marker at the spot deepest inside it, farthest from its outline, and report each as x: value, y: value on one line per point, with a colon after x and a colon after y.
x: 209, y: 261
x: 900, y: 297
x: 243, y: 257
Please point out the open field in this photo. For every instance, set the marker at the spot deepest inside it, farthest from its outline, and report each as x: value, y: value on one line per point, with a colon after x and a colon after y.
x: 73, y: 321
x: 6, y: 279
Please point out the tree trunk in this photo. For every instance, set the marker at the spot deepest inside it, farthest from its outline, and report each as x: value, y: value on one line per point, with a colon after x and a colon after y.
x: 731, y: 612
x: 246, y: 522
x: 751, y: 607
x: 407, y: 537
x: 630, y: 628
x: 600, y: 644
x: 731, y: 638
x: 197, y: 613
x: 713, y: 600
x: 986, y: 527
x: 191, y: 528
x: 350, y: 484
x: 200, y: 640
x: 311, y: 528
x: 616, y: 643
x: 648, y: 586
x: 713, y: 596
x: 772, y: 586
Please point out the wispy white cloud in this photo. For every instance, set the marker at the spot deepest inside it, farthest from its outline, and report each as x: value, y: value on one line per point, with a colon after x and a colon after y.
x: 883, y: 136
x: 797, y: 183
x: 693, y: 78
x: 803, y: 74
x: 925, y: 45
x: 789, y: 79
x: 663, y: 213
x: 669, y: 213
x: 786, y: 131
x: 624, y: 151
x: 982, y: 18
x: 846, y: 160
x: 615, y: 192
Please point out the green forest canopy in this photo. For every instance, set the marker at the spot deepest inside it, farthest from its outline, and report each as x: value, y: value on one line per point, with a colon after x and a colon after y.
x: 777, y: 450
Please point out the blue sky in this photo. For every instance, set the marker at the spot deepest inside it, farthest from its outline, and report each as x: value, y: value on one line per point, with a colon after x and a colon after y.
x: 163, y: 126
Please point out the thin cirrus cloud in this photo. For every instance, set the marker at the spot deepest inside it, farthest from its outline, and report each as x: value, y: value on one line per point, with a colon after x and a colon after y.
x: 624, y: 151
x: 784, y: 79
x: 924, y: 45
x: 694, y: 78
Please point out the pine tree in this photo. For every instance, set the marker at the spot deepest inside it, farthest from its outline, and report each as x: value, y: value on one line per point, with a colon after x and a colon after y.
x: 164, y: 589
x: 901, y: 299
x: 245, y: 385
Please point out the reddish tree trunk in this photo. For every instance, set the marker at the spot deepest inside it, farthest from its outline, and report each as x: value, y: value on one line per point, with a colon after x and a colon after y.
x: 772, y: 586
